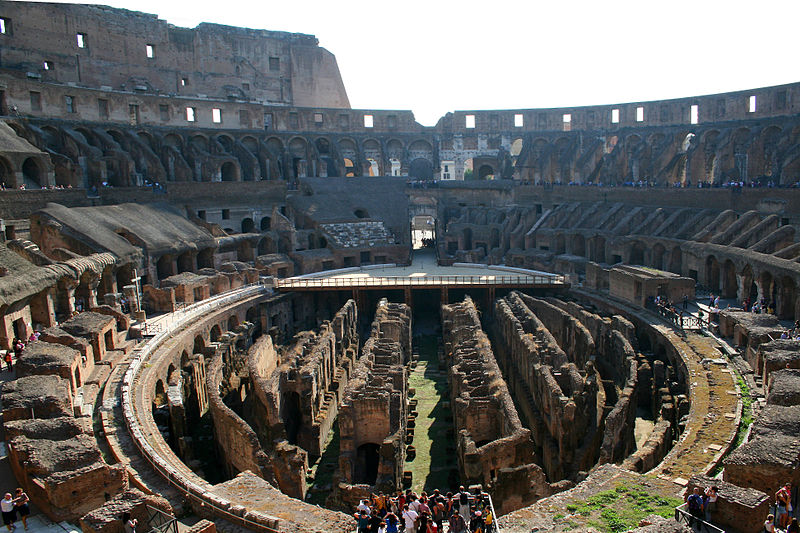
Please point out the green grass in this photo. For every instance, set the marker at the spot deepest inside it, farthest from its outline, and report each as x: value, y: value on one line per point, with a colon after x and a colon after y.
x: 746, y: 420
x: 620, y: 509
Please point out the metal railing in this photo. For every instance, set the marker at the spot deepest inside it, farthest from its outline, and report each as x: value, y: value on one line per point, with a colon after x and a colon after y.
x: 679, y: 319
x: 160, y: 522
x: 421, y: 281
x: 682, y: 516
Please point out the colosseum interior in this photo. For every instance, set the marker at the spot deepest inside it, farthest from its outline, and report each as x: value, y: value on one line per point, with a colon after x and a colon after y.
x: 246, y: 305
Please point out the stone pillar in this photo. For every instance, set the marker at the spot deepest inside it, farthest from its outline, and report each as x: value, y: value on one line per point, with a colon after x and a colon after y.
x: 43, y: 309
x: 133, y: 302
x: 66, y: 289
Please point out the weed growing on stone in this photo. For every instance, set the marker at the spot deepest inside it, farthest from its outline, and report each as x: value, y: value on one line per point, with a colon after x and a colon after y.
x: 612, y: 511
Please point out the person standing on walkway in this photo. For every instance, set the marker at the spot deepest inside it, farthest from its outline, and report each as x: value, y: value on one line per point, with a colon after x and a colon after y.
x: 457, y: 524
x: 9, y: 511
x: 23, y: 509
x: 463, y: 503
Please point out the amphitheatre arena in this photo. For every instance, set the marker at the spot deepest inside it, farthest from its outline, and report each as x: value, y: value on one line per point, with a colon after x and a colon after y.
x: 247, y: 306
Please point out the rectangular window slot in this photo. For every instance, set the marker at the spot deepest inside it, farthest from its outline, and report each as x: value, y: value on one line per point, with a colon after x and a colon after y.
x: 184, y: 82
x: 369, y: 121
x: 226, y: 214
x: 150, y: 51
x: 317, y: 118
x: 615, y: 116
x: 751, y: 104
x: 694, y: 114
x: 163, y: 110
x: 102, y: 107
x: 47, y: 65
x: 36, y: 101
x: 216, y: 116
x: 640, y: 114
x: 519, y: 120
x: 267, y: 121
x: 81, y: 38
x: 191, y: 114
x: 70, y: 103
x: 5, y: 26
x: 566, y: 120
x: 469, y: 121
x: 133, y: 113
x: 274, y: 64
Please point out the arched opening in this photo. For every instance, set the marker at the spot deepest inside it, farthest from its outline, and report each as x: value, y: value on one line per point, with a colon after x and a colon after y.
x: 31, y: 173
x: 248, y: 225
x: 361, y: 213
x: 170, y: 371
x: 367, y: 460
x: 467, y: 239
x: 164, y: 267
x: 292, y: 415
x: 749, y: 287
x: 7, y: 177
x: 77, y: 376
x: 786, y: 299
x: 494, y: 238
x: 729, y: 285
x: 578, y: 245
x: 676, y: 260
x: 266, y: 246
x: 229, y: 172
x: 637, y: 254
x: 423, y: 232
x: 348, y: 168
x: 597, y: 249
x: 421, y: 169
x: 199, y: 346
x: 215, y: 333
x: 254, y: 317
x: 265, y: 223
x: 712, y: 273
x: 560, y: 244
x: 658, y: 256
x: 185, y: 262
x: 233, y: 323
x: 485, y: 172
x: 767, y: 289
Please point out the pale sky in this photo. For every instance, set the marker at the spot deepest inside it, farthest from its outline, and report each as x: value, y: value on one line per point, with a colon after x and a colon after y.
x: 435, y: 56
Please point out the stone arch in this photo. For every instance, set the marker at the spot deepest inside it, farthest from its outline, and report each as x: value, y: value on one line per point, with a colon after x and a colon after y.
x: 226, y: 141
x: 421, y: 169
x: 597, y: 249
x: 766, y: 284
x: 275, y: 145
x: 657, y: 256
x: 486, y: 172
x: 578, y: 245
x: 266, y: 246
x: 367, y: 461
x: 233, y: 322
x: 159, y: 394
x: 251, y: 143
x: 265, y: 223
x: 147, y: 139
x: 199, y: 346
x: 712, y: 272
x: 229, y: 171
x: 215, y: 333
x: 730, y: 285
x: 32, y: 173
x: 749, y: 285
x: 785, y: 304
x: 560, y: 246
x: 291, y: 415
x: 7, y: 176
x: 174, y: 140
x: 248, y: 225
x: 676, y: 260
x: 199, y: 142
x: 636, y: 253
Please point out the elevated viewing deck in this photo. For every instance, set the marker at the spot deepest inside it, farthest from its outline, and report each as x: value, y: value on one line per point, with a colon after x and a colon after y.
x: 423, y: 273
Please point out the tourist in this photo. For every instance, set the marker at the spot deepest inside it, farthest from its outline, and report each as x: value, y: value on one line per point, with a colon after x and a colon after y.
x: 362, y: 521
x: 391, y: 522
x: 439, y: 511
x: 769, y: 524
x: 374, y: 522
x: 363, y: 506
x: 457, y: 524
x: 9, y: 511
x: 710, y: 501
x: 695, y: 505
x: 782, y: 498
x: 423, y: 522
x: 130, y: 523
x: 21, y: 502
x: 410, y: 518
x: 488, y: 520
x: 793, y: 527
x: 463, y: 498
x: 476, y: 524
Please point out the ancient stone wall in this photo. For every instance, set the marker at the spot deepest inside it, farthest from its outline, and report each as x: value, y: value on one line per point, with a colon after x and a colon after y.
x: 373, y: 411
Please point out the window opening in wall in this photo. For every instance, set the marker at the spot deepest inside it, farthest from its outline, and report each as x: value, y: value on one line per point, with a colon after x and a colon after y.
x: 201, y: 214
x: 47, y: 65
x: 81, y: 38
x: 615, y: 116
x: 566, y: 120
x: 163, y: 110
x: 191, y: 114
x: 267, y: 121
x: 519, y: 120
x: 369, y: 121
x: 70, y: 103
x: 317, y: 118
x: 469, y: 121
x: 694, y: 114
x: 216, y: 116
x: 36, y: 101
x: 102, y: 107
x: 244, y: 118
x: 5, y: 26
x: 226, y: 214
x: 150, y: 51
x: 344, y: 121
x: 184, y: 82
x: 274, y: 64
x: 640, y: 114
x: 780, y: 100
x: 751, y: 104
x: 133, y: 113
x: 391, y: 121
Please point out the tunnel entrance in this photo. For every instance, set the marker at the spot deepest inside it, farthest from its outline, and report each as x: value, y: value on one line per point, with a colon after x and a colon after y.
x: 292, y: 415
x: 367, y: 457
x: 423, y: 232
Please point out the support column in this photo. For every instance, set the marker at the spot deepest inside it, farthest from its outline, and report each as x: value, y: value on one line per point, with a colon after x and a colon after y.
x: 66, y: 300
x: 445, y: 298
x: 407, y: 294
x: 43, y: 309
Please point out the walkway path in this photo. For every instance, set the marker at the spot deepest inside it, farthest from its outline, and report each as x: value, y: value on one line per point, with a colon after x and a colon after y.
x: 433, y: 461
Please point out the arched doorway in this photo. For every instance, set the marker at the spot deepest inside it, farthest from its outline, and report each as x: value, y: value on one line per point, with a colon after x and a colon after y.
x: 199, y: 346
x: 712, y: 273
x: 786, y: 299
x: 729, y: 284
x: 367, y: 460
x: 637, y: 254
x: 658, y: 256
x: 578, y: 245
x: 420, y: 169
x: 676, y: 260
x: 31, y: 173
x: 215, y: 333
x: 485, y: 172
x: 265, y: 223
x: 292, y: 415
x: 229, y: 172
x: 248, y: 225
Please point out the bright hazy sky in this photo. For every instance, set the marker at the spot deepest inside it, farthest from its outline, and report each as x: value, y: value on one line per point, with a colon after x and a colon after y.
x: 435, y: 56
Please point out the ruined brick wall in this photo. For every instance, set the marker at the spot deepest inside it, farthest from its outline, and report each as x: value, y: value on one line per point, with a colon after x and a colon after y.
x: 373, y: 411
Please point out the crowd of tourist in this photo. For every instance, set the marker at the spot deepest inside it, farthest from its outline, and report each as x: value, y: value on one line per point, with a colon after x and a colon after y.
x: 463, y: 512
x: 13, y: 507
x: 701, y: 505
